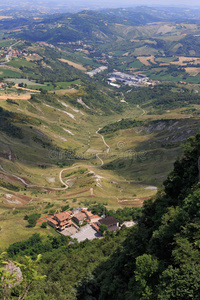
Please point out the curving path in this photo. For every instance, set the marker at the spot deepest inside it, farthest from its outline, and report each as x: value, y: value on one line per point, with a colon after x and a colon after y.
x: 143, y: 111
x: 66, y: 186
x: 108, y: 147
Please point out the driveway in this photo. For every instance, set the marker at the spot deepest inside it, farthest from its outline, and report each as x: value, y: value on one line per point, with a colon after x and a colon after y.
x: 86, y: 232
x: 69, y: 231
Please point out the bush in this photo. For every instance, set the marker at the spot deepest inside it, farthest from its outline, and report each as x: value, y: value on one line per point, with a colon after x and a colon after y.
x: 32, y: 219
x: 44, y: 225
x: 66, y: 207
x: 103, y: 228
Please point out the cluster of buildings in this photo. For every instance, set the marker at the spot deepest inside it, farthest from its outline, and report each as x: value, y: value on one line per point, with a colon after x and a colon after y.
x: 44, y: 44
x: 127, y: 79
x: 9, y: 52
x: 73, y: 219
x: 96, y: 71
x: 79, y: 43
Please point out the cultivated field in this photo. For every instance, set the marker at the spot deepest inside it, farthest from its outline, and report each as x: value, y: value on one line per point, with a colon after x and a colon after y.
x: 183, y: 60
x: 147, y: 60
x: 75, y: 65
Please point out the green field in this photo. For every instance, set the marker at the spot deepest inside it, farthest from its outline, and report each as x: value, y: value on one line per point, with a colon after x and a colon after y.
x: 81, y: 58
x: 49, y: 87
x: 21, y: 63
x: 136, y: 64
x: 6, y: 43
x: 23, y: 80
x: 9, y: 73
x: 165, y: 59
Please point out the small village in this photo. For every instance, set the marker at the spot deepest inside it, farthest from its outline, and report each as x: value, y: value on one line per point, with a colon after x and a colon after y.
x: 81, y: 224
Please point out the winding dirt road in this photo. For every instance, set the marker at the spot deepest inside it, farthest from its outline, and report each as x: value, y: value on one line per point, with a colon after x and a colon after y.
x: 66, y: 186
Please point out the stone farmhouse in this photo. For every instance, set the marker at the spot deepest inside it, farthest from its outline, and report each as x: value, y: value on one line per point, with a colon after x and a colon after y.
x: 60, y: 221
x: 78, y: 216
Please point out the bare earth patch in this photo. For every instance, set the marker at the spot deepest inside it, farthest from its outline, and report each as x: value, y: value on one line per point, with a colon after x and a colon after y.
x: 33, y: 58
x: 17, y: 199
x: 133, y: 201
x: 192, y: 71
x: 151, y: 188
x: 15, y: 97
x: 51, y: 179
x: 183, y: 60
x: 75, y: 65
x: 25, y: 89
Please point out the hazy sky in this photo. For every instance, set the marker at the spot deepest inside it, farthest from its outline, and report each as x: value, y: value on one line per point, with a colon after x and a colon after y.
x: 122, y: 3
x: 118, y: 3
x: 75, y: 5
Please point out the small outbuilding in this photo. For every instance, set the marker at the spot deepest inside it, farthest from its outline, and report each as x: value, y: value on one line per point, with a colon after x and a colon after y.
x: 110, y: 221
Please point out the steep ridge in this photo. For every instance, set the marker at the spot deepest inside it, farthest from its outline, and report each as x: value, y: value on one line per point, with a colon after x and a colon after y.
x: 162, y: 251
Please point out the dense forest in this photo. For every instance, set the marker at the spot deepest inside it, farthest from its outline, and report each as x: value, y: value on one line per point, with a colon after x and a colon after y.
x: 163, y: 96
x: 160, y: 258
x: 156, y: 259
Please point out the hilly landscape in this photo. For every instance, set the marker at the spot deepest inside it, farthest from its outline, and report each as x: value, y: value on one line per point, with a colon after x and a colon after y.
x: 100, y: 110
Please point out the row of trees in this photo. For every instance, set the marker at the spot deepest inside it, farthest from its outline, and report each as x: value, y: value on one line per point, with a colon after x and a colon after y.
x: 123, y: 124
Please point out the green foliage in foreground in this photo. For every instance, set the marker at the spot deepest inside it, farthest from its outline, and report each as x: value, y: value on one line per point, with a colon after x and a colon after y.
x: 160, y: 259
x: 157, y: 259
x: 65, y: 265
x: 103, y: 228
x: 36, y: 245
x: 9, y: 278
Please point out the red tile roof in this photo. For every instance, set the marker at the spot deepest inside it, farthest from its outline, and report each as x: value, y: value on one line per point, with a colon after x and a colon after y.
x: 62, y: 216
x: 95, y: 226
x: 52, y: 221
x: 80, y: 216
x: 87, y: 212
x: 94, y: 217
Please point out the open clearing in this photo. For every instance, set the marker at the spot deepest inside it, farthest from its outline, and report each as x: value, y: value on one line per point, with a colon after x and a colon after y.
x: 15, y: 97
x: 192, y: 71
x: 183, y: 61
x: 75, y: 65
x: 65, y: 91
x: 33, y: 58
x: 145, y: 60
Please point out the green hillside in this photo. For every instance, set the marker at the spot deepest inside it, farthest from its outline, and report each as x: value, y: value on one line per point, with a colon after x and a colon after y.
x: 156, y: 259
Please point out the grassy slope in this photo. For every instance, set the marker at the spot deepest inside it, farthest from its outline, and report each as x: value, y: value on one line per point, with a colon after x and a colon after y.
x: 124, y: 184
x: 125, y: 176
